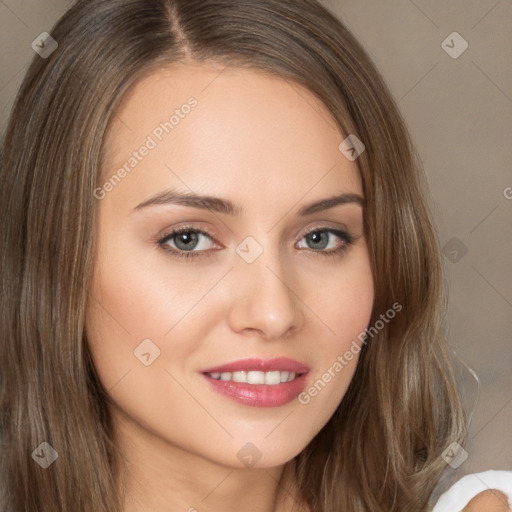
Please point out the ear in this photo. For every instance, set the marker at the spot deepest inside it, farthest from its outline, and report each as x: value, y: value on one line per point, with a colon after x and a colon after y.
x: 488, y: 501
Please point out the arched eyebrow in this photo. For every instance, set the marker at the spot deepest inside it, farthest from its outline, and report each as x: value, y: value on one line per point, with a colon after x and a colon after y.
x: 219, y: 205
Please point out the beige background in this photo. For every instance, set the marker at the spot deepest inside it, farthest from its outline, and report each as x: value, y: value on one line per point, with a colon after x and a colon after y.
x: 459, y: 111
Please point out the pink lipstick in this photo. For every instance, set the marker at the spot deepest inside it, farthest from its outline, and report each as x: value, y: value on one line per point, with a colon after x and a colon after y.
x: 259, y: 382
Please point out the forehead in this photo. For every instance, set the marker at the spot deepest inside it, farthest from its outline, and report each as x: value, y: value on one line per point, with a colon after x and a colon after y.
x: 245, y: 124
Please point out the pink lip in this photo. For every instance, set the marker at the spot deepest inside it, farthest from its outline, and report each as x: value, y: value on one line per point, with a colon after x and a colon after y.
x: 260, y: 395
x: 283, y: 364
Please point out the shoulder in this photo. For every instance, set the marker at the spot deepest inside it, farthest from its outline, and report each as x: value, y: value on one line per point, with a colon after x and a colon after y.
x: 488, y: 501
x: 489, y: 491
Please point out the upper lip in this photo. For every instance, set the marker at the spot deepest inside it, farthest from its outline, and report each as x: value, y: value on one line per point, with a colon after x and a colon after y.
x: 260, y: 365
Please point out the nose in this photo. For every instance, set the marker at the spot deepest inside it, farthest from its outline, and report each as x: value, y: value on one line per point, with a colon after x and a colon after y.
x: 264, y: 300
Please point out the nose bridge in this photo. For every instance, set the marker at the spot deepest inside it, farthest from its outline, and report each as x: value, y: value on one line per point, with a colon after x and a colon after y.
x: 264, y: 297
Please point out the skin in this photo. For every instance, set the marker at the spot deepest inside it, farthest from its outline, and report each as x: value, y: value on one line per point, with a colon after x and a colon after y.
x: 488, y: 501
x: 271, y: 147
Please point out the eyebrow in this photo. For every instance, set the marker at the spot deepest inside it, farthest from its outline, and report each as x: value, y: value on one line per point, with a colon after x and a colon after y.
x: 217, y: 204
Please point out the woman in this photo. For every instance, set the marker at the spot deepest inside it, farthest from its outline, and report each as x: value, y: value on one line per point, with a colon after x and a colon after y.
x: 173, y: 337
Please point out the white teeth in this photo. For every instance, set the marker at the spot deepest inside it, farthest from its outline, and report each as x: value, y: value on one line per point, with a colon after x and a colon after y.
x: 273, y: 378
x: 254, y: 377
x: 239, y: 377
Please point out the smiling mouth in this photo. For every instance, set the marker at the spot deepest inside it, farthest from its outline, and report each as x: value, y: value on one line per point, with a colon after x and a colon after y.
x: 272, y: 378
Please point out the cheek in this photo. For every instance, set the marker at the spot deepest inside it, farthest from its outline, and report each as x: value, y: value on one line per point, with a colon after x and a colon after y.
x: 139, y: 294
x: 136, y: 305
x: 128, y: 303
x: 345, y: 310
x: 143, y: 289
x: 346, y: 304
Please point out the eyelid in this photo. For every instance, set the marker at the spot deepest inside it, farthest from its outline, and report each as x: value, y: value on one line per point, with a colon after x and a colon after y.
x: 187, y: 227
x: 169, y: 234
x: 325, y: 226
x: 208, y: 230
x: 341, y: 232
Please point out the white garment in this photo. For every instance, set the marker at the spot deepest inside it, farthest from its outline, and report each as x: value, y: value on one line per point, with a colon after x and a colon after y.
x: 462, y: 492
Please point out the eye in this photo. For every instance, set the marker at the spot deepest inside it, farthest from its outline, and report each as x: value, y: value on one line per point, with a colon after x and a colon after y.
x: 185, y: 239
x: 190, y: 242
x: 322, y: 237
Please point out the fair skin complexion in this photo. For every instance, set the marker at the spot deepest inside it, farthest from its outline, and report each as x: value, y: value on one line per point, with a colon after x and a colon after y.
x: 488, y: 501
x: 271, y: 148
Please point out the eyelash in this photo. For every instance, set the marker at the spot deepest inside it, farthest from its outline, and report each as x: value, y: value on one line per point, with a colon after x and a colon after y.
x: 346, y: 237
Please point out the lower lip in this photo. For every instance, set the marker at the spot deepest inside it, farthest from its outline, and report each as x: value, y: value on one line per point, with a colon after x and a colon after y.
x: 259, y: 395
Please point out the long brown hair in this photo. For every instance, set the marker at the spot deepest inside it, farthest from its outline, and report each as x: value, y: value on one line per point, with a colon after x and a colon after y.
x: 381, y: 449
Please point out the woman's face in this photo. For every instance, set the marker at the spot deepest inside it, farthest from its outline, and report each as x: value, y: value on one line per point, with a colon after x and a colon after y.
x: 256, y: 286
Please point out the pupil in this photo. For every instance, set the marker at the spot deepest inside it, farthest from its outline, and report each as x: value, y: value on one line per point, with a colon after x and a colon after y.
x: 316, y: 237
x: 189, y: 237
